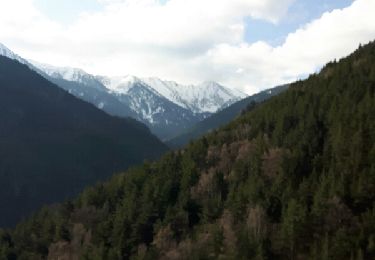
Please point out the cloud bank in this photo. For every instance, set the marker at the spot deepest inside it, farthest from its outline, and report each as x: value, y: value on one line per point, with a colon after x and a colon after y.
x: 186, y: 41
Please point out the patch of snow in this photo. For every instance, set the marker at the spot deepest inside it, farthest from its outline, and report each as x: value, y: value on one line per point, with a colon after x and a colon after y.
x: 66, y: 73
x: 119, y: 84
x: 206, y: 97
x: 4, y: 51
x: 143, y: 95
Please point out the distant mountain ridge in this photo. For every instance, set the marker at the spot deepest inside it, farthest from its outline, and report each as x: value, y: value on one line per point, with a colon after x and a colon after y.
x: 4, y: 51
x: 166, y: 107
x: 207, y: 97
x: 222, y: 117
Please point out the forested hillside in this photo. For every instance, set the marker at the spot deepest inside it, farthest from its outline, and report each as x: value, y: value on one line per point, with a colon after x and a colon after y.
x: 293, y: 178
x: 222, y: 117
x: 52, y: 144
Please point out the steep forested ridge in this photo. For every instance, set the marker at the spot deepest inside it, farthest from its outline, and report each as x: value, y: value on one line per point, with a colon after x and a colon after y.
x: 52, y: 144
x: 292, y: 178
x: 222, y: 117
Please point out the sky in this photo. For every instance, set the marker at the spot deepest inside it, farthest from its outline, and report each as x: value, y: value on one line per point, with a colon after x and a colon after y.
x: 249, y: 45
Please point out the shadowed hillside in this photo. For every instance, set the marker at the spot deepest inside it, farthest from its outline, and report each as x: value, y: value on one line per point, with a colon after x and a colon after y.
x: 52, y: 144
x: 293, y: 178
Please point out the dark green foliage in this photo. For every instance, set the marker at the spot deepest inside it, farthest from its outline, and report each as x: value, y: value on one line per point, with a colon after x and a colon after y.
x: 223, y: 117
x: 52, y: 144
x: 291, y: 179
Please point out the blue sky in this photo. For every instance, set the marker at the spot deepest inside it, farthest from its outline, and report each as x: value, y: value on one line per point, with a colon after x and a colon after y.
x: 245, y: 44
x: 299, y: 13
x: 67, y: 11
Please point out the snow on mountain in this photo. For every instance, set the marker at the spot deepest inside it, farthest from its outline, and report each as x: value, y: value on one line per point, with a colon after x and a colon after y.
x: 119, y: 84
x: 169, y: 106
x: 65, y: 73
x: 208, y: 97
x: 165, y: 106
x: 4, y: 51
x: 164, y: 117
x: 168, y: 89
x: 211, y: 97
x: 69, y: 74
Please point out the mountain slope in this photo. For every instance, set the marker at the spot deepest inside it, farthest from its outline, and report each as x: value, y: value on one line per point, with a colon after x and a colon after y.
x: 124, y: 98
x: 167, y: 109
x: 293, y: 178
x: 78, y: 83
x: 86, y: 87
x: 53, y: 144
x: 222, y: 117
x: 4, y: 51
x: 208, y: 97
x: 164, y: 117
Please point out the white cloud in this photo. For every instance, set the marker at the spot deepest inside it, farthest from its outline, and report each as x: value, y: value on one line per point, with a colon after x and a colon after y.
x: 334, y: 35
x: 187, y: 41
x: 19, y: 20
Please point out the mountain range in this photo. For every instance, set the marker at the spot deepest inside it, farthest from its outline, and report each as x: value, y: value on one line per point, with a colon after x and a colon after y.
x: 290, y: 178
x: 166, y: 107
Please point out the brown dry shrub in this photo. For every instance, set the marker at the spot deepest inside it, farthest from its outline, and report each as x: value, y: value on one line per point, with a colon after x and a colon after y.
x: 226, y: 223
x: 187, y: 247
x: 246, y: 148
x: 72, y: 250
x: 338, y: 214
x: 327, y: 73
x: 224, y: 164
x: 205, y: 186
x: 164, y: 240
x: 213, y: 154
x: 62, y: 250
x: 257, y: 223
x: 141, y: 252
x: 272, y: 161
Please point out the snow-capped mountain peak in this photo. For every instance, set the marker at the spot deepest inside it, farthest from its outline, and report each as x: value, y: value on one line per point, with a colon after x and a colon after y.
x: 207, y: 97
x: 165, y: 106
x: 120, y: 84
x: 70, y: 74
x: 4, y: 51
